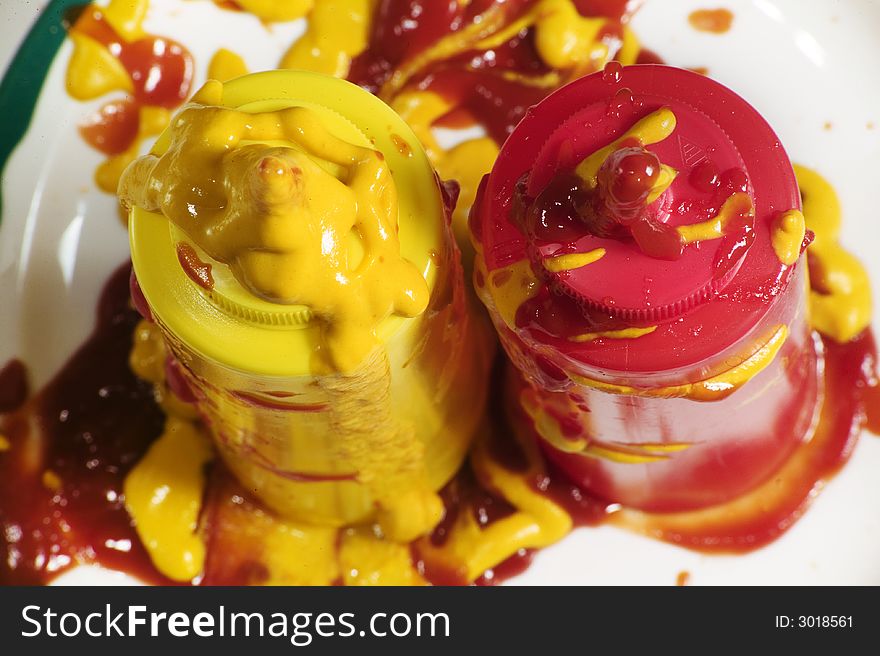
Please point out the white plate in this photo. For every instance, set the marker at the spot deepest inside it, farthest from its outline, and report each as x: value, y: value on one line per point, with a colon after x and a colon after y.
x: 801, y: 64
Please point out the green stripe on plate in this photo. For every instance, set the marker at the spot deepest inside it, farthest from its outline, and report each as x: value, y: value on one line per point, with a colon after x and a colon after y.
x: 23, y: 82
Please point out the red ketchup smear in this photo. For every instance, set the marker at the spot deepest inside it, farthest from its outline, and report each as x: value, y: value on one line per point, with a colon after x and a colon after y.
x: 270, y: 404
x: 160, y: 70
x: 88, y: 426
x: 113, y: 128
x: 476, y: 82
x: 715, y: 21
x: 617, y: 209
x: 197, y: 271
x: 463, y: 494
x: 769, y: 513
x: 95, y: 419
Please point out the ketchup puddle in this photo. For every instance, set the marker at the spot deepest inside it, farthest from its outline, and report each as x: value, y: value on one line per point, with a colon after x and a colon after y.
x: 71, y: 445
x: 68, y: 449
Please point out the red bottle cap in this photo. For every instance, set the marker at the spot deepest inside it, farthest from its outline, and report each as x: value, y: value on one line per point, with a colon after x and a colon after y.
x: 720, y: 146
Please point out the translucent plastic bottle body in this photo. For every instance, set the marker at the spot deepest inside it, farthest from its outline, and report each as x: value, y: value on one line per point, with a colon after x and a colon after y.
x: 663, y: 355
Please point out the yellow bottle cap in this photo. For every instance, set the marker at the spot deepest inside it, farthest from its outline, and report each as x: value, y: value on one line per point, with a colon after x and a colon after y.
x: 229, y: 325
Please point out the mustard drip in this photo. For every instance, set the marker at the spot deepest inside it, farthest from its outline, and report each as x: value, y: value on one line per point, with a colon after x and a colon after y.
x: 93, y: 70
x: 564, y: 38
x: 336, y: 33
x: 147, y: 361
x: 840, y: 300
x: 283, y: 217
x: 225, y: 65
x: 539, y: 522
x: 365, y: 559
x: 549, y: 429
x: 466, y: 163
x: 624, y: 333
x: 712, y: 389
x: 293, y: 553
x: 571, y: 261
x: 738, y: 204
x: 508, y: 288
x: 787, y: 236
x: 163, y: 495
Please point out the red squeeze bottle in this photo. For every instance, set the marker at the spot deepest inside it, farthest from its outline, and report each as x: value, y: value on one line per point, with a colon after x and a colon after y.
x: 639, y: 246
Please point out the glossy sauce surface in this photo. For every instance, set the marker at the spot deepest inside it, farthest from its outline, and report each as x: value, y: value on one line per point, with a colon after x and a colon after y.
x: 113, y: 53
x: 72, y: 444
x: 714, y: 21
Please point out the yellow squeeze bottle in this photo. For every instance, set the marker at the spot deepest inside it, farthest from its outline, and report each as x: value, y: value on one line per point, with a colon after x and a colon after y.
x: 293, y: 245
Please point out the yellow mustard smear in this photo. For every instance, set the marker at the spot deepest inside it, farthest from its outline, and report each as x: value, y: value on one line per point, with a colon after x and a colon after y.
x: 571, y: 261
x: 506, y: 289
x: 840, y: 298
x: 738, y: 204
x: 163, y: 494
x: 94, y: 71
x: 563, y: 39
x: 538, y: 522
x: 712, y: 389
x: 225, y: 65
x: 623, y: 333
x: 550, y: 430
x: 165, y: 490
x: 304, y: 554
x: 336, y: 33
x: 292, y: 553
x: 787, y: 236
x: 284, y: 217
x: 276, y: 11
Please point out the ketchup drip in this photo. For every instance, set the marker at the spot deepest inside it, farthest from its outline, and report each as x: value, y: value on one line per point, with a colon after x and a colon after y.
x: 160, y: 71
